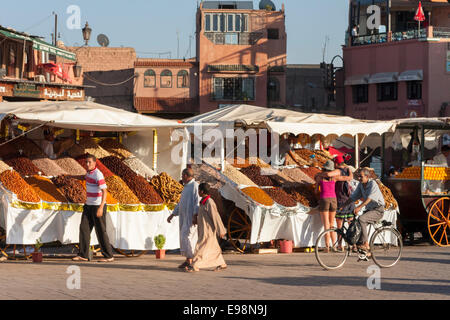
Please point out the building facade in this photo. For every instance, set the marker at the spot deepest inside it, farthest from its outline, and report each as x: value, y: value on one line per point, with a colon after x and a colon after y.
x: 31, y: 69
x: 397, y: 71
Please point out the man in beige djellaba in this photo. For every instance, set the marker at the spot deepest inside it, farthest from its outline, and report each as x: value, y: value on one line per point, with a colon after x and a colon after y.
x: 209, y: 223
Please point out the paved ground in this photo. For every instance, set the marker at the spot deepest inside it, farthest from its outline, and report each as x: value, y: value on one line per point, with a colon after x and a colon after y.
x: 423, y: 273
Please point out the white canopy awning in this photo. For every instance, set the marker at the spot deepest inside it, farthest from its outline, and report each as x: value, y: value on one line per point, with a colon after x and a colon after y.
x: 411, y: 75
x: 288, y: 121
x: 82, y: 115
x: 357, y: 80
x: 384, y: 77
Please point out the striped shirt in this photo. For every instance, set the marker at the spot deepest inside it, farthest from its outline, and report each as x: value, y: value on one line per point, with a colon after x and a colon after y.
x: 95, y: 183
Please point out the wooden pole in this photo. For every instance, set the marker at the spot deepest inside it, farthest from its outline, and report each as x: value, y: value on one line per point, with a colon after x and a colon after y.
x: 155, y: 149
x: 357, y: 151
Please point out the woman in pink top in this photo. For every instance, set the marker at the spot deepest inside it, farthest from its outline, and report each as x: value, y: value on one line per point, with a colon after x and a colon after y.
x: 326, y: 185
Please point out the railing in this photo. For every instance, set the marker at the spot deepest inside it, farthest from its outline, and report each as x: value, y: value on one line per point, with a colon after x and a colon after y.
x: 383, y: 37
x: 234, y: 38
x: 441, y: 32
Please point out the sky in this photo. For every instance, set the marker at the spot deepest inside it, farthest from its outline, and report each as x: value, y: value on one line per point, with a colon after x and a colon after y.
x: 151, y: 26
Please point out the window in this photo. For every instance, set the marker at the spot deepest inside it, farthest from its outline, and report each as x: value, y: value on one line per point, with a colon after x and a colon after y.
x: 207, y: 22
x: 219, y: 22
x: 234, y: 89
x: 149, y: 79
x: 360, y: 93
x: 273, y: 89
x: 231, y: 38
x: 414, y: 90
x: 387, y: 91
x: 183, y: 79
x: 166, y: 79
x: 273, y: 34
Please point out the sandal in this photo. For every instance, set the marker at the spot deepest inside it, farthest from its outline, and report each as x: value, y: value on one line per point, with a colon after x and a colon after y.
x: 78, y: 258
x: 220, y: 268
x: 190, y: 269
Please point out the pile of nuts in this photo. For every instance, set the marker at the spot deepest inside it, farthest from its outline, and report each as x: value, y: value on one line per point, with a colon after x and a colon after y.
x: 72, y: 188
x: 23, y: 166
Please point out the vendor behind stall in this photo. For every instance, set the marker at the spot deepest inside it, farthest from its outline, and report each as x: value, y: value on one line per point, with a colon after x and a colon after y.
x: 442, y: 158
x: 52, y: 147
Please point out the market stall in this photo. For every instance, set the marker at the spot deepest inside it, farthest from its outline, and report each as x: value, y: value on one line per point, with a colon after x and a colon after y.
x: 276, y: 201
x: 422, y: 188
x: 41, y: 197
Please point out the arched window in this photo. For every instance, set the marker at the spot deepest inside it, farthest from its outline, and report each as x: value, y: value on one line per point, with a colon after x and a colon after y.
x: 273, y: 89
x: 149, y: 79
x: 183, y: 79
x: 166, y: 79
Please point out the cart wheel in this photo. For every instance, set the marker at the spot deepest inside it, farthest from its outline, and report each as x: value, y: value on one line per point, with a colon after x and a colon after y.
x: 439, y: 222
x: 239, y: 228
x: 131, y: 253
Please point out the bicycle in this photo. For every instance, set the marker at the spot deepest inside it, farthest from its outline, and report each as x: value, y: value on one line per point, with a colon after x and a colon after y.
x: 385, y: 247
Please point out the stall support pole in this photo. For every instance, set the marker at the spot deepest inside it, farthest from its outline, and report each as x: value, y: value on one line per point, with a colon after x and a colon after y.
x: 357, y: 151
x: 155, y: 149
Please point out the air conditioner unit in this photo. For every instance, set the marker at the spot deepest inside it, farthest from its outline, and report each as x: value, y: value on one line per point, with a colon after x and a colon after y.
x: 39, y: 78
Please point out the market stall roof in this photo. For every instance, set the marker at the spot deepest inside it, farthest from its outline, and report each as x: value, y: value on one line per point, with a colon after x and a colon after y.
x: 83, y: 115
x: 288, y: 121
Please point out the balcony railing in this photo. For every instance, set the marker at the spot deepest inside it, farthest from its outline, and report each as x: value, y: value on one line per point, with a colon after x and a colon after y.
x: 441, y: 32
x: 383, y: 37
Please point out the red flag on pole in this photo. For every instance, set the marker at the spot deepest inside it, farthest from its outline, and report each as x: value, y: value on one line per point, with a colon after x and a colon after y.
x: 420, y: 15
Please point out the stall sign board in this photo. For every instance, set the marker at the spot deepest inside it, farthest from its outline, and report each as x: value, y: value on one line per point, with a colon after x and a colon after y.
x: 62, y: 94
x: 26, y: 90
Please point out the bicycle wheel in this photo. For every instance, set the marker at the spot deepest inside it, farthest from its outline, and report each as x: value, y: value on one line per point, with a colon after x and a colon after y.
x: 331, y: 260
x: 386, y: 247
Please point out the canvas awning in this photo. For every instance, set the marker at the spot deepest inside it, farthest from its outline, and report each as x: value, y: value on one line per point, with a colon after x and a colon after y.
x: 288, y: 121
x: 384, y: 77
x: 357, y: 80
x: 82, y: 115
x: 39, y: 44
x: 411, y: 75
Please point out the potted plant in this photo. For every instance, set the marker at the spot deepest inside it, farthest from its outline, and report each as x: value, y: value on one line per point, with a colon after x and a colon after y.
x: 37, y: 254
x: 160, y: 241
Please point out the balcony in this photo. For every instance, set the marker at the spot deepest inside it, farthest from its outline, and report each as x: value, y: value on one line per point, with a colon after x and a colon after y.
x: 430, y: 32
x: 234, y: 38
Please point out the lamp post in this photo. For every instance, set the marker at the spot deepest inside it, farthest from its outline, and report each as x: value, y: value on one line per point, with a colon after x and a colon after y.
x: 77, y: 70
x: 86, y: 33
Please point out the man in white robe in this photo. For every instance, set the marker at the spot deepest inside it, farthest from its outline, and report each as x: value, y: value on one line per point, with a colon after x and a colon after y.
x: 185, y: 210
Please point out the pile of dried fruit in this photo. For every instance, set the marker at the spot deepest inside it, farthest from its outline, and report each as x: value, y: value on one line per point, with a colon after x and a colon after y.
x: 100, y: 166
x: 281, y: 197
x: 87, y: 145
x: 390, y: 202
x: 49, y: 167
x: 235, y: 175
x: 139, y: 167
x: 298, y: 175
x: 169, y: 189
x: 304, y: 194
x: 254, y: 173
x: 243, y: 163
x: 141, y: 188
x: 115, y: 148
x: 311, y: 172
x: 14, y: 183
x: 45, y: 189
x: 204, y: 173
x: 72, y: 188
x: 258, y: 195
x: 120, y: 191
x: 71, y: 166
x: 23, y: 166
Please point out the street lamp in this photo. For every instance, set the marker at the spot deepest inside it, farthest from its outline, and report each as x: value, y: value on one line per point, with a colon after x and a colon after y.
x: 86, y: 33
x: 77, y: 70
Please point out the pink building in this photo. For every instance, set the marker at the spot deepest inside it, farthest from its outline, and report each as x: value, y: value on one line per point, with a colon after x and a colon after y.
x: 396, y: 71
x: 241, y: 54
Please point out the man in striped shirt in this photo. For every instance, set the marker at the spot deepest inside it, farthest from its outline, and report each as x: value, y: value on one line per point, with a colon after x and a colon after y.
x: 94, y: 213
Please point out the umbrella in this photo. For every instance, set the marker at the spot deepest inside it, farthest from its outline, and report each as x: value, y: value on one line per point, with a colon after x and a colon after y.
x: 420, y: 15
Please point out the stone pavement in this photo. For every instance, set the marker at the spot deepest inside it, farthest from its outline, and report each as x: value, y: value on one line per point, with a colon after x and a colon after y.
x: 423, y: 273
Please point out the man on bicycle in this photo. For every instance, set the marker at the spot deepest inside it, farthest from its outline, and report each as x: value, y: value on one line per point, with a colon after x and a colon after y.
x: 373, y: 201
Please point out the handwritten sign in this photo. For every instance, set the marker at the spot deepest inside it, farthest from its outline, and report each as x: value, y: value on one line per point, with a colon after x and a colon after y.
x: 62, y: 94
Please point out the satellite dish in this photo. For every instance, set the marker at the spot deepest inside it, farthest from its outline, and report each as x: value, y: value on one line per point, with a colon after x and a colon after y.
x: 103, y: 40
